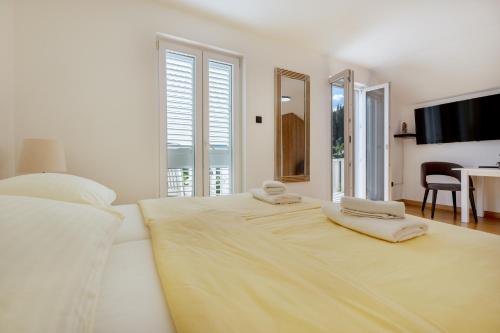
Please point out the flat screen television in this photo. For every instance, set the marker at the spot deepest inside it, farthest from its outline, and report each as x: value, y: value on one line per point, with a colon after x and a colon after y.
x: 475, y: 119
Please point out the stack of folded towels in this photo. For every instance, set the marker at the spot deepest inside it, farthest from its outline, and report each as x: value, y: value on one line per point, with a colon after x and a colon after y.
x: 275, y: 192
x: 381, y: 219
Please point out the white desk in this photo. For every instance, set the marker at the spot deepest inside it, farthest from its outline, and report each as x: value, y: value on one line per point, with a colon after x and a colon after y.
x: 479, y: 173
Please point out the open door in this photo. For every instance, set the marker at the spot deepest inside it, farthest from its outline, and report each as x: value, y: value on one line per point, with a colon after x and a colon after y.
x: 371, y: 134
x: 342, y: 87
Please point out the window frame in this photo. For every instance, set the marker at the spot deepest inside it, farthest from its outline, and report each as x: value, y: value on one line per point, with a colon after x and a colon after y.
x: 202, y: 55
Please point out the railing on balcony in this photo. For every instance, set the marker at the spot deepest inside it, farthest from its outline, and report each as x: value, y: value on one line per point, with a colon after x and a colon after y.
x: 337, y: 179
x: 220, y: 181
x: 180, y: 177
x: 180, y: 181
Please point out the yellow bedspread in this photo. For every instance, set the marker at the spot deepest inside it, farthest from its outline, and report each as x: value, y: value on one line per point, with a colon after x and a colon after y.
x: 239, y: 204
x: 231, y: 265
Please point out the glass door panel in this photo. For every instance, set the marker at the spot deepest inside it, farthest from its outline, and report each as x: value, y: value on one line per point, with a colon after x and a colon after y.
x: 375, y: 144
x: 220, y: 108
x: 376, y: 139
x: 180, y: 110
x: 338, y: 139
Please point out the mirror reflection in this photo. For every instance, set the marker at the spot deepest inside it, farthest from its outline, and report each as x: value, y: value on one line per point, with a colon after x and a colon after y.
x: 293, y: 126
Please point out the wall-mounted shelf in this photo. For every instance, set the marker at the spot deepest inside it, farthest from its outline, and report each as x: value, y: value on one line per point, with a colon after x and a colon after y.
x: 405, y: 135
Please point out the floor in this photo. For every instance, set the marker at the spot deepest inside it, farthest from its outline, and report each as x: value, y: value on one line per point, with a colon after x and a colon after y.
x: 486, y: 224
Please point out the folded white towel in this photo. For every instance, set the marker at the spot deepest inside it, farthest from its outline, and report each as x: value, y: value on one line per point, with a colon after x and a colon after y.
x: 273, y: 184
x: 274, y: 190
x: 370, y: 215
x: 389, y: 230
x: 375, y: 209
x: 273, y: 187
x: 276, y: 199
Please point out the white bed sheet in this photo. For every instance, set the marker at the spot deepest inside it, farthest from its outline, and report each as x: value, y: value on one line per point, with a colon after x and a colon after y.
x: 132, y: 228
x: 131, y: 298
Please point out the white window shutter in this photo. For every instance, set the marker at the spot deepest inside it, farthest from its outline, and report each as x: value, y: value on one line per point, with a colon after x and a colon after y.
x: 220, y: 108
x: 198, y: 117
x: 180, y: 96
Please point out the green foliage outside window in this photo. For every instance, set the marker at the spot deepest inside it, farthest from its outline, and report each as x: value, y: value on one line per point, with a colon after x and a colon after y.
x: 338, y: 132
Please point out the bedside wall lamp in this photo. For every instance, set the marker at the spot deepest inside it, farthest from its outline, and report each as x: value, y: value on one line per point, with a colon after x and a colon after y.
x: 42, y: 155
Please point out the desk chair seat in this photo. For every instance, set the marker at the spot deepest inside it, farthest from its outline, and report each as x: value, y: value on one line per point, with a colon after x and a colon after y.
x: 445, y: 187
x: 444, y: 169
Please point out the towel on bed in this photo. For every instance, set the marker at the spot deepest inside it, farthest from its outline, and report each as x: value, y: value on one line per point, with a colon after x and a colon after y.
x: 273, y: 187
x: 274, y: 190
x: 276, y: 199
x: 389, y: 230
x: 374, y: 209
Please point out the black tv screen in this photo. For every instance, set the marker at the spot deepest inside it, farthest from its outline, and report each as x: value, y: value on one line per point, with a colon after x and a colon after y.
x: 475, y: 119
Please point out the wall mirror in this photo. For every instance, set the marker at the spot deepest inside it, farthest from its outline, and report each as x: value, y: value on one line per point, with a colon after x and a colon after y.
x: 292, y: 126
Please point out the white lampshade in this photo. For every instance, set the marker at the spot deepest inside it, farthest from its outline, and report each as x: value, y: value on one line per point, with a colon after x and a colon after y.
x: 42, y: 155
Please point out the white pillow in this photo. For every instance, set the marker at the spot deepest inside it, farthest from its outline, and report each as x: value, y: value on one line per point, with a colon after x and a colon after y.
x: 52, y: 259
x: 62, y: 187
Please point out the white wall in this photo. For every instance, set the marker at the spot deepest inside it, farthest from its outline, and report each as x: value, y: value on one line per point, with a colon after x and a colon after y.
x: 6, y: 89
x: 86, y: 74
x: 397, y: 146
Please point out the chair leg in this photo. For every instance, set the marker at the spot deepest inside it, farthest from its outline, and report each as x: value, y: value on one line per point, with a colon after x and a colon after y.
x: 454, y: 197
x: 434, y: 196
x: 473, y: 205
x: 425, y: 198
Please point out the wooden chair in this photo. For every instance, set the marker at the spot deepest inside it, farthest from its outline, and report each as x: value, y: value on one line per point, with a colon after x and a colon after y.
x: 444, y: 169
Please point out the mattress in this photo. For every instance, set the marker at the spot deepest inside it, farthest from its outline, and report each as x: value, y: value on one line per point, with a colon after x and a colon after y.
x: 131, y: 298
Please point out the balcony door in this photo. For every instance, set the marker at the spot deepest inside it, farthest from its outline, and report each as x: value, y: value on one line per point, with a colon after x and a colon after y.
x: 359, y: 139
x: 199, y: 121
x: 371, y: 137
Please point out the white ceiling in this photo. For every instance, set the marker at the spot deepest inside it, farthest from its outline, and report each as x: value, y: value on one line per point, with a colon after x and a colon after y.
x: 392, y: 37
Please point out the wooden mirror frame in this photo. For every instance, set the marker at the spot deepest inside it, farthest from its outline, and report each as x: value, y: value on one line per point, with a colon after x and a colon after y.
x: 278, y: 74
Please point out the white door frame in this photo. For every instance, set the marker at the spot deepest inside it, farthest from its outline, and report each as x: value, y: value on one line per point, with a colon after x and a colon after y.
x: 386, y: 87
x: 202, y: 55
x: 348, y: 76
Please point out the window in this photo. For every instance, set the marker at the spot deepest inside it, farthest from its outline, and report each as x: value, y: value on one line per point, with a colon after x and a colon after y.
x: 199, y: 121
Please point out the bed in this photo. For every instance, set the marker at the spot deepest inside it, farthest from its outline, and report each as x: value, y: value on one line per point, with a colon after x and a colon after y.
x: 235, y: 264
x: 450, y: 270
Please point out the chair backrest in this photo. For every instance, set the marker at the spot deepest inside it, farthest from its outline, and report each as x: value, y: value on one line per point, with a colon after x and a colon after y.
x: 440, y: 168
